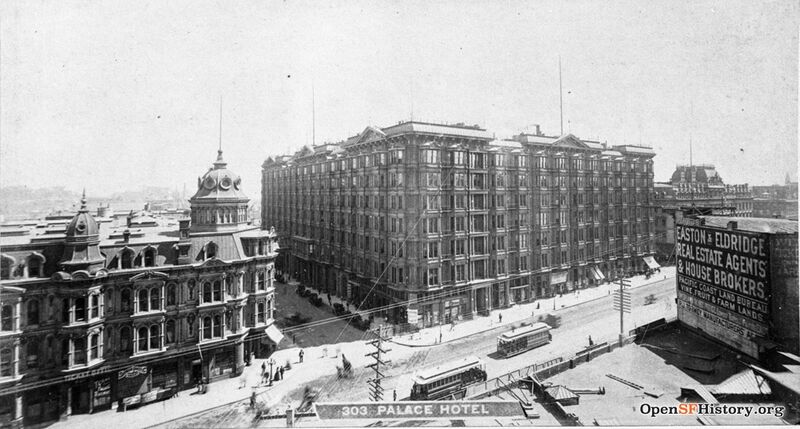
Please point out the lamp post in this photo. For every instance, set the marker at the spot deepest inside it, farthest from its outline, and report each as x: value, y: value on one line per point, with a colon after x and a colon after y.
x: 271, y: 362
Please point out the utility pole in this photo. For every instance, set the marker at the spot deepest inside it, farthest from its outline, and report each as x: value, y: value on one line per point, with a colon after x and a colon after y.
x: 376, y: 389
x: 622, y: 302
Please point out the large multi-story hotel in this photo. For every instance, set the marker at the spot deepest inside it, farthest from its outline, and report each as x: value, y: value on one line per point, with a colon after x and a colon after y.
x: 441, y: 222
x: 93, y: 315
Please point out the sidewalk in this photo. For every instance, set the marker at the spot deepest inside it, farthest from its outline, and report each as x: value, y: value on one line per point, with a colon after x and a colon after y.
x: 519, y: 313
x: 316, y: 364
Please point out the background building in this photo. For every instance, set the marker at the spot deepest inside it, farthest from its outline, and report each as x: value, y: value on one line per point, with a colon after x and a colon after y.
x: 737, y: 282
x: 95, y: 313
x: 695, y: 190
x: 776, y: 201
x: 447, y: 215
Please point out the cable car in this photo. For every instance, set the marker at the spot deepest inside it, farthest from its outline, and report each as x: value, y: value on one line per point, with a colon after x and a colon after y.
x: 448, y: 380
x: 523, y: 339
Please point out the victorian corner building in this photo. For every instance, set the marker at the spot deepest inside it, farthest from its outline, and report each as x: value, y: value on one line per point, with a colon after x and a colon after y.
x: 95, y: 316
x: 443, y: 222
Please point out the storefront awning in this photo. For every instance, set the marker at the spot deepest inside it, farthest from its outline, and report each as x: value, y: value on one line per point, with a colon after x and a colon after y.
x: 558, y: 278
x: 596, y: 274
x: 651, y: 262
x: 274, y: 334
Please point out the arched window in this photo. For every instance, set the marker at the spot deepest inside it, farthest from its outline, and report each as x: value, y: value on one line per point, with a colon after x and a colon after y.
x: 150, y: 257
x: 217, y: 326
x: 143, y: 339
x: 125, y: 341
x: 94, y: 301
x: 206, y: 292
x: 7, y: 318
x: 143, y: 300
x: 5, y: 362
x: 170, y: 331
x: 109, y: 301
x: 6, y: 263
x: 33, y: 312
x: 171, y: 294
x: 155, y: 299
x: 94, y: 347
x: 217, y: 290
x: 211, y: 250
x: 35, y: 263
x: 260, y: 247
x: 206, y: 328
x: 260, y: 312
x: 125, y: 300
x: 80, y: 309
x: 126, y: 258
x: 79, y: 345
x: 65, y: 310
x: 155, y: 337
x: 32, y: 352
x: 65, y: 352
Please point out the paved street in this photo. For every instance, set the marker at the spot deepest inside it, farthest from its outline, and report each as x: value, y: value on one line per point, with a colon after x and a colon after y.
x: 594, y: 318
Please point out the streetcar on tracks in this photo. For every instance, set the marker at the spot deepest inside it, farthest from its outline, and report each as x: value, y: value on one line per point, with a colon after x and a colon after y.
x: 523, y: 339
x: 447, y: 381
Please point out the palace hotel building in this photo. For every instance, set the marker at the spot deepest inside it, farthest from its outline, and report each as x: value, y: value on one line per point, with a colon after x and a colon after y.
x: 442, y: 222
x: 94, y: 316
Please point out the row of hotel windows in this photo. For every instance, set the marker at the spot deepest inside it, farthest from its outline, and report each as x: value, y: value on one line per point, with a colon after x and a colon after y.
x: 83, y: 350
x: 473, y: 159
x: 149, y: 299
x: 475, y: 181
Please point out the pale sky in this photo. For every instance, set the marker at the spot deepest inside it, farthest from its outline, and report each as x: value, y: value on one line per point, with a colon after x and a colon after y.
x: 118, y: 95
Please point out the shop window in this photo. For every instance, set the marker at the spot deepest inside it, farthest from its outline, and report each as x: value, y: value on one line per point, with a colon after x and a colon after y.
x: 33, y: 312
x: 80, y: 309
x: 143, y: 339
x: 7, y: 318
x: 5, y: 362
x: 143, y: 302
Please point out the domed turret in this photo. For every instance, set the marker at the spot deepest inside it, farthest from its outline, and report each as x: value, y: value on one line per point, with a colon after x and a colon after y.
x: 219, y: 203
x: 82, y: 243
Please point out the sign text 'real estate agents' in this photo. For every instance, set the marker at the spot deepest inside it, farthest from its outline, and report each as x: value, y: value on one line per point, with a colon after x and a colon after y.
x: 723, y: 278
x: 417, y: 409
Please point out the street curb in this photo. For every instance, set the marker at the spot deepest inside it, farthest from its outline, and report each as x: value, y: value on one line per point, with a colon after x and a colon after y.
x: 507, y: 324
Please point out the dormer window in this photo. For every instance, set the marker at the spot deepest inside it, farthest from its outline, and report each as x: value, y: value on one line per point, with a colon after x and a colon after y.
x: 150, y: 257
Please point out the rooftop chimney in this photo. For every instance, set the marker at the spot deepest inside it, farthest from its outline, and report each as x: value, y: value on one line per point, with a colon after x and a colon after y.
x: 126, y: 235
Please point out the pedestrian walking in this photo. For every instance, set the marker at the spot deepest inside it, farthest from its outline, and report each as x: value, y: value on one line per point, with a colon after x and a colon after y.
x: 243, y: 380
x: 263, y: 368
x: 440, y: 337
x: 500, y: 317
x: 591, y: 343
x: 325, y: 352
x: 253, y: 399
x: 301, y: 355
x: 394, y: 395
x: 281, y: 369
